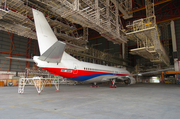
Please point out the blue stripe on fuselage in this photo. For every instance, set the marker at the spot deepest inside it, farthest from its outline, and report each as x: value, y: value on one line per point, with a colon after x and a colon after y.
x: 87, y: 77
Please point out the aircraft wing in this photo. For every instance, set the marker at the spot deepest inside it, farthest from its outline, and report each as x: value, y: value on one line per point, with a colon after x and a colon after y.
x: 21, y: 59
x: 126, y: 80
x: 151, y: 72
x: 120, y: 78
x: 130, y: 79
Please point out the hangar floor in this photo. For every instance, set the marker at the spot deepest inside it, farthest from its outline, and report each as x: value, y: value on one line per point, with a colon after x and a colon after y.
x: 139, y: 101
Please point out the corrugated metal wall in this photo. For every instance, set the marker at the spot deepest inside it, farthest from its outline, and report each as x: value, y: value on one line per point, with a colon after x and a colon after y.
x: 177, y: 28
x: 20, y: 47
x: 105, y: 45
x: 165, y: 31
x: 102, y: 44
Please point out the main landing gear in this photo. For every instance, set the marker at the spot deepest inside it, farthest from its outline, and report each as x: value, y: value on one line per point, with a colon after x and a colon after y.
x: 113, y: 81
x: 94, y: 85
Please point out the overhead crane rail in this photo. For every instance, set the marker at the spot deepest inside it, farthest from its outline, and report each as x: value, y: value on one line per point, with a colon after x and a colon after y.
x: 145, y: 33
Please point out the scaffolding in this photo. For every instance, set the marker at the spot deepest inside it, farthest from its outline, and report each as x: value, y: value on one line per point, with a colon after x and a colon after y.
x: 38, y: 82
x: 148, y: 43
x: 99, y: 57
x: 145, y: 33
x: 16, y: 23
x: 36, y: 71
x: 16, y: 17
x: 100, y: 15
x: 125, y: 6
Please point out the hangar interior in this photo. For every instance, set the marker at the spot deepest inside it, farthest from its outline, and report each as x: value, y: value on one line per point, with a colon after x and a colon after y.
x: 138, y: 35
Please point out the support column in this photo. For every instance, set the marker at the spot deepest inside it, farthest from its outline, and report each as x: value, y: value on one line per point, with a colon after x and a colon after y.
x: 117, y: 19
x: 11, y: 49
x: 85, y: 33
x: 174, y: 44
x: 107, y: 50
x: 0, y: 4
x: 149, y: 8
x: 97, y: 11
x: 107, y: 13
x: 120, y: 50
x: 123, y: 50
x: 76, y: 5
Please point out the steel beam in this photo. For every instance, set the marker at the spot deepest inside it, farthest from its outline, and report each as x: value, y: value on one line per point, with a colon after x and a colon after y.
x: 157, y: 2
x: 171, y: 11
x: 125, y: 10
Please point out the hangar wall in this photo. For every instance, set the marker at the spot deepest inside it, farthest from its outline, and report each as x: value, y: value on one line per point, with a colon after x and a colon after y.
x: 177, y: 30
x: 19, y: 50
x: 104, y: 45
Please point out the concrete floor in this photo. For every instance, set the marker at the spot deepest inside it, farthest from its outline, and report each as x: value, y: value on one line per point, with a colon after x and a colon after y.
x: 139, y: 101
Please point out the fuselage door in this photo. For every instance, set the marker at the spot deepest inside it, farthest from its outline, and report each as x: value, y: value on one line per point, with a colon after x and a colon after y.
x: 75, y: 71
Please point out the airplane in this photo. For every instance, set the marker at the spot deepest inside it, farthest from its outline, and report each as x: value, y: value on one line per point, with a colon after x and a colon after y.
x: 54, y: 59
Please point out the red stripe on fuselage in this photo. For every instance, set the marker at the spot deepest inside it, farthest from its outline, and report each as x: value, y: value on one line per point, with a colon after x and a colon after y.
x: 74, y: 73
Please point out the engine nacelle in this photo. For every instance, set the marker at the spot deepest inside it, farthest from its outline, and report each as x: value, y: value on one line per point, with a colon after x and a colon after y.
x: 130, y: 80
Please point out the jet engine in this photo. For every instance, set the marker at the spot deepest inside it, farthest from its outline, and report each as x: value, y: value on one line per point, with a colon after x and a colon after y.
x: 129, y: 80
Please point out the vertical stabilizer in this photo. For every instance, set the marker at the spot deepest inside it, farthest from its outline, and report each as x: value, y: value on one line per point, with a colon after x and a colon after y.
x: 45, y: 35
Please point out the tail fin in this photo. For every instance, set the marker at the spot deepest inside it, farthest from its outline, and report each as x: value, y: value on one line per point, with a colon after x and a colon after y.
x: 51, y: 49
x: 45, y: 35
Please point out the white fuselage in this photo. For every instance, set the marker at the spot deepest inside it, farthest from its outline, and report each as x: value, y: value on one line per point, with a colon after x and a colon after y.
x: 74, y: 69
x: 55, y: 60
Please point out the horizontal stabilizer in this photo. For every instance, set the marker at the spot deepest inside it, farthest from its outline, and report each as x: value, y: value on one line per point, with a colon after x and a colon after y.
x: 54, y: 53
x: 21, y: 59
